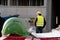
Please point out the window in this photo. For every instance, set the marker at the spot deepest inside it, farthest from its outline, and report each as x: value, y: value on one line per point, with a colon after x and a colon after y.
x: 13, y: 2
x: 36, y: 2
x: 32, y: 2
x: 3, y: 2
x: 27, y: 2
x: 23, y: 2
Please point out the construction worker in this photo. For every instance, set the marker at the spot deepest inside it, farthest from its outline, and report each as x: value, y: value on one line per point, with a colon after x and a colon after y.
x: 39, y: 22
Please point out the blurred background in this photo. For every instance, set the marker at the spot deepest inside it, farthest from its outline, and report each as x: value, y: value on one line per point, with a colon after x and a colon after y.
x: 26, y: 9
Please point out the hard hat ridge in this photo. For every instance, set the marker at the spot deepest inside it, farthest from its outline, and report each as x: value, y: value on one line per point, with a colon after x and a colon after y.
x: 38, y: 12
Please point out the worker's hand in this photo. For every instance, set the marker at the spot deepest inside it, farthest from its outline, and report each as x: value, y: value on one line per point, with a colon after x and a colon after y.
x: 4, y: 36
x: 29, y: 38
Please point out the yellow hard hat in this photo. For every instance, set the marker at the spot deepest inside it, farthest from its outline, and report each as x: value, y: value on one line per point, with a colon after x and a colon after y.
x: 38, y: 12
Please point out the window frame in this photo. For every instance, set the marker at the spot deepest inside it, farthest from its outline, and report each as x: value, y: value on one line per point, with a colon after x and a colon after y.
x: 29, y: 3
x: 3, y: 2
x: 22, y: 5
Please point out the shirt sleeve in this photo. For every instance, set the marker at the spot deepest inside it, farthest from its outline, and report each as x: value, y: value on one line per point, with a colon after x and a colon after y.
x: 44, y: 22
x: 35, y: 21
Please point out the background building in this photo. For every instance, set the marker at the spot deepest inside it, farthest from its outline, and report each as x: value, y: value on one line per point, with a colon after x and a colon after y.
x: 27, y: 9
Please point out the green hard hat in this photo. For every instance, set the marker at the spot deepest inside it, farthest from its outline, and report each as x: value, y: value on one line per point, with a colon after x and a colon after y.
x: 15, y: 25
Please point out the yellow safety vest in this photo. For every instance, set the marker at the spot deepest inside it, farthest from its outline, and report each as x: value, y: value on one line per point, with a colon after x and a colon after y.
x: 40, y: 21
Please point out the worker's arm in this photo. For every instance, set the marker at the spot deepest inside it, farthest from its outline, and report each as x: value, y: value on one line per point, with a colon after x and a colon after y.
x: 35, y: 21
x: 44, y: 22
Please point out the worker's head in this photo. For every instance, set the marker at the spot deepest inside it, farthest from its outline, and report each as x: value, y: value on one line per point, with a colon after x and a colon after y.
x: 39, y: 13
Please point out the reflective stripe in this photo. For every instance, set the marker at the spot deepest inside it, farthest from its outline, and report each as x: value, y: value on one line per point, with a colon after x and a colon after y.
x: 40, y: 21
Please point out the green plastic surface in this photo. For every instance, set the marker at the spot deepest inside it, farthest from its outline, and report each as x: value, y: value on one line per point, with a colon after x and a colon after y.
x: 15, y: 25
